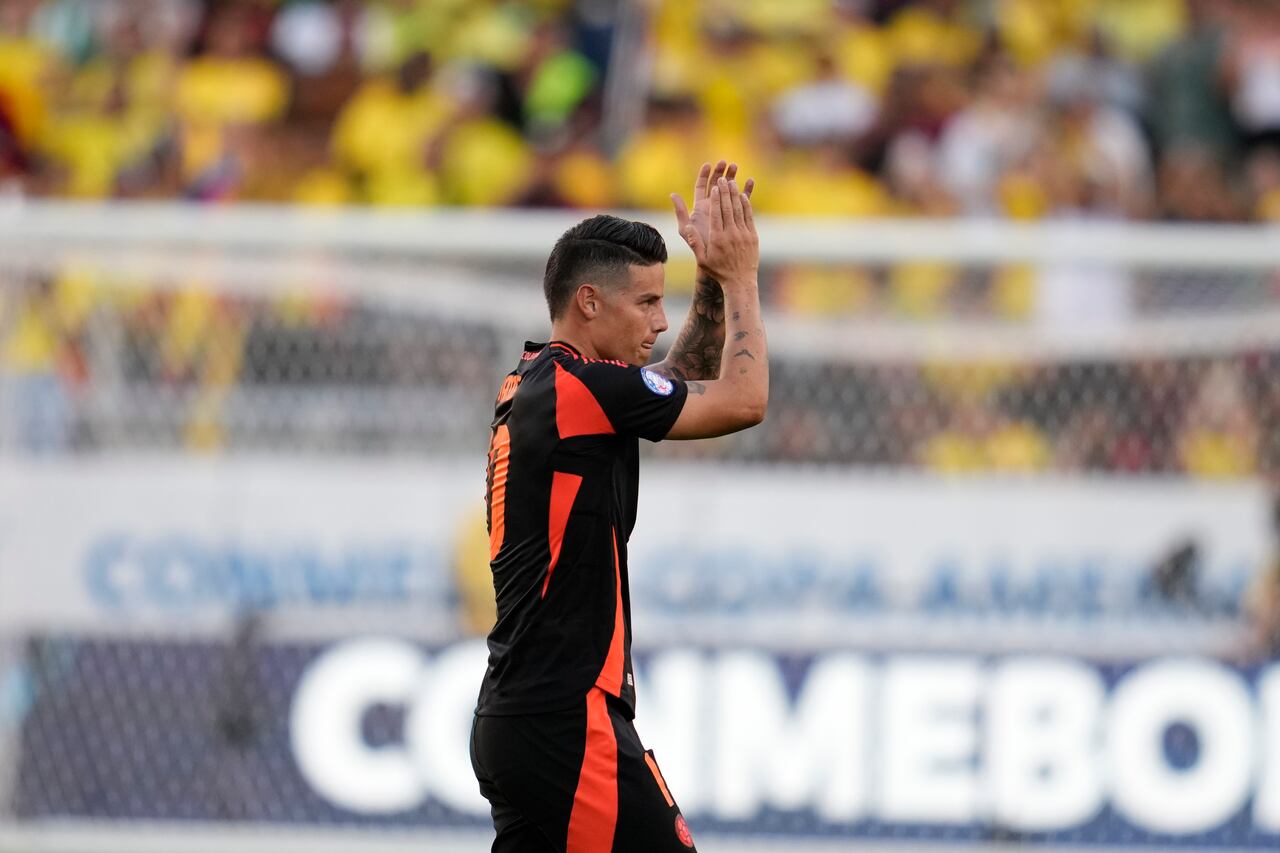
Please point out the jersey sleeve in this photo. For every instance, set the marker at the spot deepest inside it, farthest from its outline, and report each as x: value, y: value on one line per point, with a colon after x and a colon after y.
x: 637, y: 400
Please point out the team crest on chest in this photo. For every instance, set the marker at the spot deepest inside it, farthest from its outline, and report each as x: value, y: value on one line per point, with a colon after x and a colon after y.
x: 658, y: 384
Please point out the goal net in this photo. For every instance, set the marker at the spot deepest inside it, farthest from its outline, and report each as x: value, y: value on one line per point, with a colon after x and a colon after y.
x: 995, y: 570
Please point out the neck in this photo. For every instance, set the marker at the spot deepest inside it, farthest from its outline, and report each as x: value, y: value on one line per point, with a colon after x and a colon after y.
x: 574, y: 338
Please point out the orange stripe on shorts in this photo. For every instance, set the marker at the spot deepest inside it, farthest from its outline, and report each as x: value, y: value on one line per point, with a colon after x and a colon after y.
x: 595, y: 804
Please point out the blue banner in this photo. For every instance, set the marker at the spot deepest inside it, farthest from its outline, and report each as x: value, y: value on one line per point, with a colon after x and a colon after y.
x: 1169, y: 751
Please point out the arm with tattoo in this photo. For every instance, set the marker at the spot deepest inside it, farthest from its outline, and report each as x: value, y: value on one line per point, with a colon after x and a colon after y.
x: 697, y: 350
x: 696, y: 354
x: 737, y: 397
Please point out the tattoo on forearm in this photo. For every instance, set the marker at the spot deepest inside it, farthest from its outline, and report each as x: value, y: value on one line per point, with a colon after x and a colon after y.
x: 697, y: 388
x: 740, y: 335
x: 697, y: 350
x: 745, y: 352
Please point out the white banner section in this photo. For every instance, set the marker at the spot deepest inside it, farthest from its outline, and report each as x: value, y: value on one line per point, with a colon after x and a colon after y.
x: 720, y: 555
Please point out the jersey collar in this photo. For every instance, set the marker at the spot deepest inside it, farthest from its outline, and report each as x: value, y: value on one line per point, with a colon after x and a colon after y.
x: 565, y: 346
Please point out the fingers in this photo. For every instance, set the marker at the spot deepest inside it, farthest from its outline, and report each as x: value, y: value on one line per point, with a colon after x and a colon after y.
x: 709, y: 176
x: 702, y: 186
x: 687, y: 229
x: 717, y: 172
x: 682, y: 212
x: 735, y: 199
x: 726, y: 202
x: 728, y: 205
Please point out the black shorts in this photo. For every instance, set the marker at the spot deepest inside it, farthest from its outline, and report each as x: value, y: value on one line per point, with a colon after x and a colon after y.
x: 575, y: 781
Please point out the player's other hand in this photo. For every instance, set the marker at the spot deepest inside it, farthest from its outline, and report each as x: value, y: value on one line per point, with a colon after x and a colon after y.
x: 695, y: 227
x: 732, y: 250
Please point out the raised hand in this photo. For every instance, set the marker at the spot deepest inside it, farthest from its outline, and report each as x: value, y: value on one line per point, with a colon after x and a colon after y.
x: 738, y: 395
x: 731, y: 253
x: 695, y: 227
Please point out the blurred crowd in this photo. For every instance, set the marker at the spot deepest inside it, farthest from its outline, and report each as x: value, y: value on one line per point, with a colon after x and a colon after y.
x: 1027, y: 109
x: 1135, y: 109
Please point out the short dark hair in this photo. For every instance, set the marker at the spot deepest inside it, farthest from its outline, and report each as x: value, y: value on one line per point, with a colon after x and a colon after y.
x: 601, y: 247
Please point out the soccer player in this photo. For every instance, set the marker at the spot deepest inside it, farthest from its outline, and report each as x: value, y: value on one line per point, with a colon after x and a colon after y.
x: 553, y: 745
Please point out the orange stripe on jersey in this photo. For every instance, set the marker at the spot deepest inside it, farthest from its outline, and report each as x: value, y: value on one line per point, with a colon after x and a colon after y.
x: 564, y: 488
x: 657, y: 775
x: 595, y: 803
x: 610, y: 678
x: 577, y: 410
x: 499, y: 463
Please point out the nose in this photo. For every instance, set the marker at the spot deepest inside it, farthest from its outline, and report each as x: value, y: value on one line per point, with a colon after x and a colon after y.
x: 661, y: 325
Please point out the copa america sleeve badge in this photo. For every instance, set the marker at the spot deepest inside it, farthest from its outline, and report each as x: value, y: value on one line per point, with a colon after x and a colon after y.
x: 658, y: 384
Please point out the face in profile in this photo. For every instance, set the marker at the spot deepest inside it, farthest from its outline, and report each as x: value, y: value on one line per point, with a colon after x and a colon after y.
x: 631, y: 316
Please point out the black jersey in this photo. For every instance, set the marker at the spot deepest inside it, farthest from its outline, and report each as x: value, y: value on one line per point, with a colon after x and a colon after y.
x: 562, y: 491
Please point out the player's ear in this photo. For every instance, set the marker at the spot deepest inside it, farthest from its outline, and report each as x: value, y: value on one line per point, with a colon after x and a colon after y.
x: 588, y: 298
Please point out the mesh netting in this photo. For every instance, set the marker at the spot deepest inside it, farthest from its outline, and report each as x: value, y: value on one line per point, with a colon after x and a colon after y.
x: 95, y: 365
